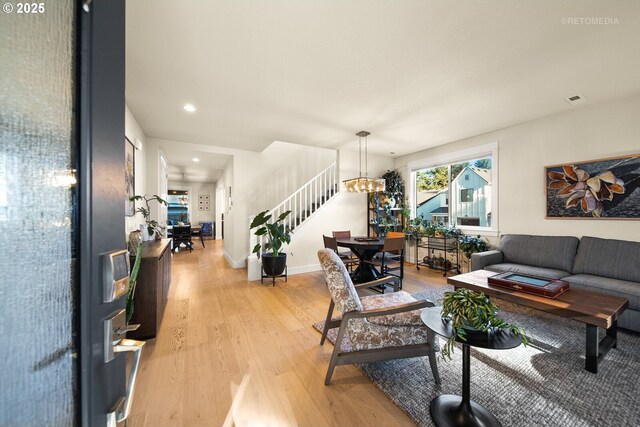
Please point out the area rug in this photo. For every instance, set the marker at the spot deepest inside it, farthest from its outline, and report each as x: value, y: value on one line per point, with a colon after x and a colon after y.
x: 543, y: 384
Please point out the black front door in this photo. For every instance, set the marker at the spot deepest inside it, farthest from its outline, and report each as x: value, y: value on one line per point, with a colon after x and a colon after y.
x: 101, y: 170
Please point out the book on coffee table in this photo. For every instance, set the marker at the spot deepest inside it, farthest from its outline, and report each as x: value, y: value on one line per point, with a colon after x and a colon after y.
x: 534, y: 285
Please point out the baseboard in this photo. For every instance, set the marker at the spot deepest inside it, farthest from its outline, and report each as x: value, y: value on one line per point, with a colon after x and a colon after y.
x: 234, y: 264
x: 304, y: 269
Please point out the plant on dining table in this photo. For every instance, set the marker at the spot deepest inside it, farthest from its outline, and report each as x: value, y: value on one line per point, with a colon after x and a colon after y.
x: 472, y: 311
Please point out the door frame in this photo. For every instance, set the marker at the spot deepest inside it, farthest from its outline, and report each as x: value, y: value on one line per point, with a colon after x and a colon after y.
x: 100, y: 160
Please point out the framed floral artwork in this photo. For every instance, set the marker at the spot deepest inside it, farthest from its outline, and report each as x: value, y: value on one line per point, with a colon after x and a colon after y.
x: 129, y: 177
x: 595, y: 189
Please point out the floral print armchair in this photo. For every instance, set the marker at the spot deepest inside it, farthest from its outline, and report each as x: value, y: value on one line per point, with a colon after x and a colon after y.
x: 379, y: 327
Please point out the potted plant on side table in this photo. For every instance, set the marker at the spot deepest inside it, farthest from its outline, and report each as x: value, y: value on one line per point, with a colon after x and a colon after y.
x: 273, y: 260
x: 470, y: 312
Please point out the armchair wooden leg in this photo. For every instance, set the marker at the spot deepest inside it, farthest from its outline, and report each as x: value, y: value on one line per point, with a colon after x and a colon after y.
x: 327, y: 322
x: 431, y: 337
x: 335, y: 354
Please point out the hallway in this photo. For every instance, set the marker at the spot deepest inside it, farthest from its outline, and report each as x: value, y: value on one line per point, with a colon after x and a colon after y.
x: 232, y: 352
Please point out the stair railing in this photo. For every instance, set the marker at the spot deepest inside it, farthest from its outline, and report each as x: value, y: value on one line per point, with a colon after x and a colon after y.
x: 305, y: 201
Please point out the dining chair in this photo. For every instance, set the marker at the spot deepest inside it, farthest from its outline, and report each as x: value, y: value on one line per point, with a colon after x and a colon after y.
x: 395, y: 234
x: 342, y: 234
x: 379, y: 327
x: 391, y: 258
x: 347, y: 258
x: 182, y: 234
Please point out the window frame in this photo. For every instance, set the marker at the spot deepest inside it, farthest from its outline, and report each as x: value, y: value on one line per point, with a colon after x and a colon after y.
x: 472, y: 153
x: 466, y: 192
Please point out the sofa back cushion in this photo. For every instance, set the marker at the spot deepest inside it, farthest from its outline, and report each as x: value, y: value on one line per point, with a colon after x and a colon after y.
x: 617, y: 259
x: 555, y: 252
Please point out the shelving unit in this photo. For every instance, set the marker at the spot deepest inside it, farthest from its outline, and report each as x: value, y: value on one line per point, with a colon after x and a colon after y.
x: 441, y: 254
x: 375, y: 211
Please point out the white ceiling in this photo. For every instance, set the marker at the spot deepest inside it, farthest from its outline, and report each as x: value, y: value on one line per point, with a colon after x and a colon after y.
x: 208, y: 169
x: 415, y: 73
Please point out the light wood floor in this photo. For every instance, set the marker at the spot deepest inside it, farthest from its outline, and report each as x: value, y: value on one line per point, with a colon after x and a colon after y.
x: 232, y: 352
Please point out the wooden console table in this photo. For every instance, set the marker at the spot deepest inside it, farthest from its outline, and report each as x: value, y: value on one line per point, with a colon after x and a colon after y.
x: 152, y: 288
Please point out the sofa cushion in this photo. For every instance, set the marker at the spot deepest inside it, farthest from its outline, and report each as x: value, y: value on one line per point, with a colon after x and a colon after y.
x: 605, y: 285
x: 618, y: 259
x: 556, y: 252
x: 547, y: 273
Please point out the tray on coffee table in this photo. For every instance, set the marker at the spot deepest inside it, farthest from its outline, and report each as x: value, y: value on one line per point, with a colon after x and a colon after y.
x: 548, y: 288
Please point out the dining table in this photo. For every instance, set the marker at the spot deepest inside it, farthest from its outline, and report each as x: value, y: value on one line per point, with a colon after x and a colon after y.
x: 365, y: 248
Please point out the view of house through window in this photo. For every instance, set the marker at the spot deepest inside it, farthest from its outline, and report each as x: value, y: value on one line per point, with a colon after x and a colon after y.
x: 457, y: 193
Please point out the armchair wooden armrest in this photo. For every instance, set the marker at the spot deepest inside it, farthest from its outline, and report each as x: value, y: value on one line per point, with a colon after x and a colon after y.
x: 416, y: 305
x: 381, y: 281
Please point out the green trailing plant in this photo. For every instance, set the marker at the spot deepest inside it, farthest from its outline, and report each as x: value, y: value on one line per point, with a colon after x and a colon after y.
x: 277, y: 232
x: 394, y: 187
x: 414, y: 226
x: 471, y: 244
x: 153, y: 227
x: 466, y: 309
x: 133, y: 277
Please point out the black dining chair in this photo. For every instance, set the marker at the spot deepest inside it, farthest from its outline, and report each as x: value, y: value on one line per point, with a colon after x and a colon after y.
x: 344, y: 235
x: 182, y: 234
x: 391, y: 260
x: 349, y: 261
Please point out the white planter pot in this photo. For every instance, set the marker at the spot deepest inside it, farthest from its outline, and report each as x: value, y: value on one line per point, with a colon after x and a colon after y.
x: 144, y: 232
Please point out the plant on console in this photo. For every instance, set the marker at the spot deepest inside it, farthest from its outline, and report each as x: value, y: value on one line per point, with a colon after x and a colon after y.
x: 153, y: 227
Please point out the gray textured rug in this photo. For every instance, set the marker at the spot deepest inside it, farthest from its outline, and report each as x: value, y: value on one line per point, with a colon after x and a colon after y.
x: 543, y: 384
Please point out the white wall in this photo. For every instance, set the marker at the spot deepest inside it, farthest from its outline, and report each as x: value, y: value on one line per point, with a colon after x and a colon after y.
x: 134, y: 132
x: 229, y: 214
x: 346, y: 211
x: 195, y: 189
x: 263, y: 180
x: 596, y: 131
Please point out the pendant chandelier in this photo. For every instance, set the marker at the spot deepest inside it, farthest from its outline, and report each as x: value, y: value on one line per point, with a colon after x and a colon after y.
x: 364, y: 184
x: 183, y: 199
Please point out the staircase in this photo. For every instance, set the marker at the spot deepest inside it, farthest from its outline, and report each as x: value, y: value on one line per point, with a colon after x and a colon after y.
x: 303, y: 203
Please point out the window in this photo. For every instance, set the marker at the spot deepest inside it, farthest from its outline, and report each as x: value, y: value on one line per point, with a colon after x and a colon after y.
x: 457, y: 189
x: 466, y: 194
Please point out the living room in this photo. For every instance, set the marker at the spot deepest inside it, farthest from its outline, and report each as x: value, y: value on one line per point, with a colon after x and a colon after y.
x: 513, y: 104
x: 268, y: 95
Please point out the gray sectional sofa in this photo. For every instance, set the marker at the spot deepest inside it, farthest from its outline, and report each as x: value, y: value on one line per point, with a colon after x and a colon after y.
x: 599, y: 265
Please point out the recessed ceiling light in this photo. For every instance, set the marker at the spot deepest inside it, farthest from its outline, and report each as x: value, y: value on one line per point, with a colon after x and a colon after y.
x: 392, y: 152
x: 190, y: 108
x: 195, y: 159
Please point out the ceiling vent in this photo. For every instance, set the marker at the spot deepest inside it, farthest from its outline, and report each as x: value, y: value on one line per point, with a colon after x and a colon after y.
x: 576, y: 99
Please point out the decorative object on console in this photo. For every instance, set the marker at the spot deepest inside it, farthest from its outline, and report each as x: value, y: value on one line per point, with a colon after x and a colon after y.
x: 603, y: 188
x: 472, y: 312
x: 364, y: 184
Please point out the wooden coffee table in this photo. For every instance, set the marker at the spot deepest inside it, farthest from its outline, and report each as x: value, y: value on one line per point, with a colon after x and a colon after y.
x: 594, y: 309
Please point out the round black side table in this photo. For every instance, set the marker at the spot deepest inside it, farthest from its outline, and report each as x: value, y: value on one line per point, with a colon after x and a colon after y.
x: 449, y: 410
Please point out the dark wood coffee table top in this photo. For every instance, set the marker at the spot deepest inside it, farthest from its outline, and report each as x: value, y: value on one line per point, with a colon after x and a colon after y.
x: 584, y: 306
